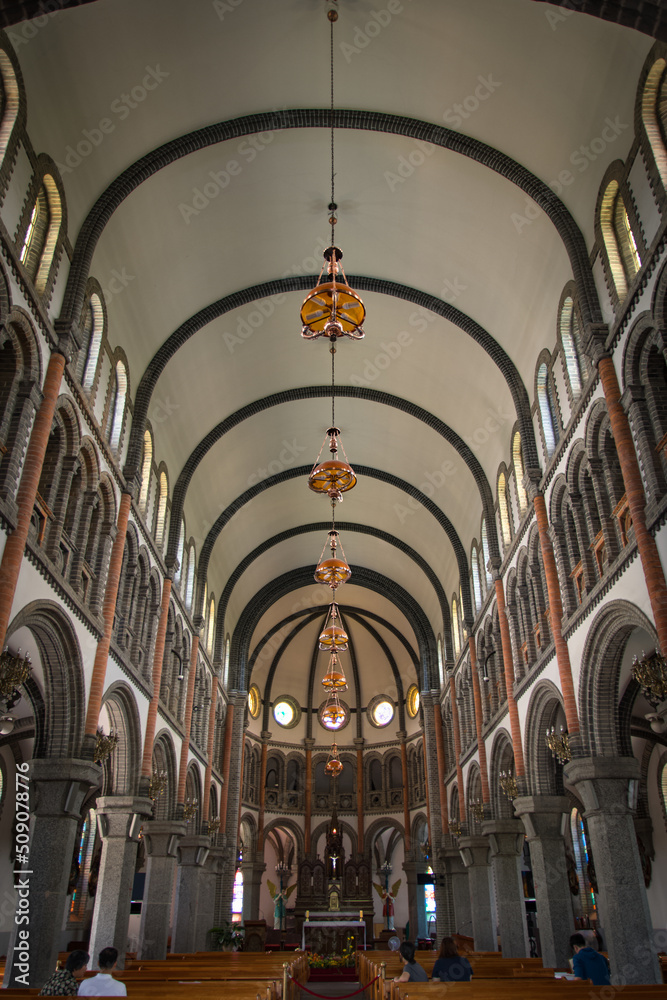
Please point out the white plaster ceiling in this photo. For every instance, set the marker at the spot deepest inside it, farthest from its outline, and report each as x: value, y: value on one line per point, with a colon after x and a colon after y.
x: 447, y: 229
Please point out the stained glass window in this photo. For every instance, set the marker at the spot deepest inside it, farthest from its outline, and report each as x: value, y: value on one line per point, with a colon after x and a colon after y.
x: 429, y: 896
x: 237, y: 897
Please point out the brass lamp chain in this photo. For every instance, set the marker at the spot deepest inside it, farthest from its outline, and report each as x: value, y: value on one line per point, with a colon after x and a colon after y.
x: 333, y: 200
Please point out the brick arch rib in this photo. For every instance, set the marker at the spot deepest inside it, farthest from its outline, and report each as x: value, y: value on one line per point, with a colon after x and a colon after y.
x: 343, y: 526
x: 301, y: 577
x: 362, y: 470
x: 362, y: 283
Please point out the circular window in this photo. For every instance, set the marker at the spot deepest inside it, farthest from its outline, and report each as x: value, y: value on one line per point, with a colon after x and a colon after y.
x: 336, y: 720
x: 286, y: 712
x: 412, y: 701
x: 254, y: 701
x: 380, y: 711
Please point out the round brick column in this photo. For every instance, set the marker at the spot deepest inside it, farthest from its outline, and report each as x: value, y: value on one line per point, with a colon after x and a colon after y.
x: 98, y: 676
x: 226, y: 757
x: 556, y: 615
x: 158, y: 657
x: 457, y: 749
x: 187, y: 727
x: 508, y: 663
x: 12, y: 556
x: 481, y: 746
x: 208, y: 774
x: 634, y: 490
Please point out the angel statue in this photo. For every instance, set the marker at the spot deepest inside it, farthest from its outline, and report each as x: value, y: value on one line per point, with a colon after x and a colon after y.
x: 279, y: 897
x: 388, y: 896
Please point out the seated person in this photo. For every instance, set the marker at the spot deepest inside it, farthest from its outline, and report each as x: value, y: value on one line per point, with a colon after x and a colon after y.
x: 588, y: 963
x: 412, y: 971
x: 65, y: 982
x: 103, y: 984
x: 450, y: 967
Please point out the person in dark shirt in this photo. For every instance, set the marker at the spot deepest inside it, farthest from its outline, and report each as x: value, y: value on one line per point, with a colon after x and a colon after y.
x: 450, y: 967
x: 64, y: 982
x: 588, y: 963
x: 412, y: 971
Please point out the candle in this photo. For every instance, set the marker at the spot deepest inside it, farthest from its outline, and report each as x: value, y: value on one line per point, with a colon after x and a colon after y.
x: 361, y: 914
x: 307, y: 914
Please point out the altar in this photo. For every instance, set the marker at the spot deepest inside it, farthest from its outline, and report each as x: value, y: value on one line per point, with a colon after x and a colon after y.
x: 330, y: 936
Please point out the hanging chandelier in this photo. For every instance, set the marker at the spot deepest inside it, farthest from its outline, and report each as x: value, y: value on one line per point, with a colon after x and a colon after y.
x: 559, y: 744
x: 332, y: 714
x: 332, y: 309
x: 334, y: 765
x: 332, y: 636
x: 651, y: 674
x: 334, y: 571
x: 334, y: 679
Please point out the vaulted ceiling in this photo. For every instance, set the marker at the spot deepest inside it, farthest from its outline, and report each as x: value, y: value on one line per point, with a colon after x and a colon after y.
x: 460, y: 297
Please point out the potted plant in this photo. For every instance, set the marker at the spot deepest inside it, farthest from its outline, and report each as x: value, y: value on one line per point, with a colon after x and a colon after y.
x: 228, y: 937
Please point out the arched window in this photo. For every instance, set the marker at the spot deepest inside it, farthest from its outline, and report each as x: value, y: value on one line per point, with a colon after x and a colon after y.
x: 503, y: 507
x: 653, y: 115
x: 225, y: 673
x: 441, y: 662
x: 570, y: 346
x: 178, y: 576
x: 40, y: 238
x: 190, y: 584
x: 146, y: 468
x: 210, y: 630
x: 456, y: 633
x: 547, y: 405
x: 476, y: 586
x: 10, y: 102
x: 619, y: 239
x: 519, y: 472
x: 117, y: 405
x: 93, y: 326
x: 485, y: 554
x: 161, y: 509
x: 237, y: 897
x: 35, y: 234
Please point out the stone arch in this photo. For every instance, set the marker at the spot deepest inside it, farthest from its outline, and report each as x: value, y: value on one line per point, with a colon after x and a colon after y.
x: 600, y: 672
x: 545, y: 709
x: 501, y: 759
x: 294, y: 830
x: 193, y: 792
x: 378, y: 827
x: 248, y: 826
x: 164, y: 758
x: 59, y: 720
x: 122, y: 767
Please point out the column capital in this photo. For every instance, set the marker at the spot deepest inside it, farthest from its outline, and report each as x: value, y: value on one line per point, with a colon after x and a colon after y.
x: 505, y: 836
x: 474, y: 851
x: 543, y: 816
x: 116, y: 815
x: 358, y: 741
x: 606, y: 784
x: 162, y: 837
x: 309, y: 742
x: 266, y: 735
x: 594, y: 341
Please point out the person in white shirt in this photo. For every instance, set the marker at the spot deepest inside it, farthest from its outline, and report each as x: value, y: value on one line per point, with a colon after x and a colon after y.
x: 103, y: 984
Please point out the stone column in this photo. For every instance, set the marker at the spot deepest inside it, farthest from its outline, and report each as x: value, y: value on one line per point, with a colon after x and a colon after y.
x: 119, y: 819
x: 475, y: 856
x: 415, y: 912
x: 506, y: 837
x: 161, y: 840
x: 211, y: 870
x: 57, y: 790
x: 308, y: 793
x: 544, y: 817
x: 193, y: 854
x: 458, y: 875
x: 608, y: 787
x: 252, y: 883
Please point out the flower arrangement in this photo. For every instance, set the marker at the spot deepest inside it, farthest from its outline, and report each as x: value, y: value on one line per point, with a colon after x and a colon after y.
x: 228, y: 937
x: 346, y: 960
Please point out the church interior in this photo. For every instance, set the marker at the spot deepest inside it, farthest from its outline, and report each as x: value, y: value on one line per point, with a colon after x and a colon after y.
x: 333, y: 476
